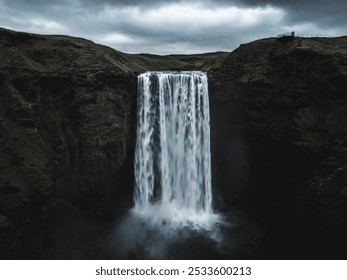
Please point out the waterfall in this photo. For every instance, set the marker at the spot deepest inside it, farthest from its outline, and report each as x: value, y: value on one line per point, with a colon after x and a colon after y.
x: 172, y: 156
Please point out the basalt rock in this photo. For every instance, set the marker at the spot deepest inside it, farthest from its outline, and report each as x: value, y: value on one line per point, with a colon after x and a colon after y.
x: 279, y: 129
x: 66, y: 107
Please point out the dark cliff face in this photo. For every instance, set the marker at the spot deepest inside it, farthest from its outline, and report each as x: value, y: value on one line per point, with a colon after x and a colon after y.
x: 279, y: 131
x: 66, y: 116
x: 67, y: 132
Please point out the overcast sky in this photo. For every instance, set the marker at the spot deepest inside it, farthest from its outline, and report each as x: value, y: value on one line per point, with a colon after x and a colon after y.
x: 163, y: 27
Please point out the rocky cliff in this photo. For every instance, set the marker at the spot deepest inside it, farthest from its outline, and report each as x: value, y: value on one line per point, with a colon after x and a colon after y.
x: 279, y: 127
x: 67, y: 128
x: 65, y: 120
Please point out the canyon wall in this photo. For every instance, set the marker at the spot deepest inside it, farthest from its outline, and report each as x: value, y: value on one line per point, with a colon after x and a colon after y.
x: 279, y: 126
x: 67, y: 132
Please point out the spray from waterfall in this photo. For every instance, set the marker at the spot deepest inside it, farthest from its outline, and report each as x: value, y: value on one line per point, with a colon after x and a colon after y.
x: 172, y: 156
x: 172, y: 216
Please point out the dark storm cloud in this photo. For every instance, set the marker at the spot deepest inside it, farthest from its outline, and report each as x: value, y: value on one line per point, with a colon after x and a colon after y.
x: 325, y: 11
x: 160, y: 26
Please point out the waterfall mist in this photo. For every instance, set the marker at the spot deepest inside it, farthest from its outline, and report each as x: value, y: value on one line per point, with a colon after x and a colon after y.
x: 173, y: 196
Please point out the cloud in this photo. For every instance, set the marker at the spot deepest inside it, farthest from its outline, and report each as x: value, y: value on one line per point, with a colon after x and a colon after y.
x: 186, y: 28
x: 323, y: 13
x: 173, y: 26
x: 185, y: 22
x: 193, y: 17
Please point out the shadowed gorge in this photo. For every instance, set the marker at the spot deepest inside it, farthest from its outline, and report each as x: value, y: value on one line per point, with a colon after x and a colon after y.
x: 278, y: 130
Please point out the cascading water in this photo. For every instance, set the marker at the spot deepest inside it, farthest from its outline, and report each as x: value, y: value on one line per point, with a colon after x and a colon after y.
x: 173, y: 216
x: 172, y: 156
